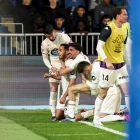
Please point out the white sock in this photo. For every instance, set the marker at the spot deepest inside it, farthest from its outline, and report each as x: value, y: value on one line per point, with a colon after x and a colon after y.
x: 127, y: 102
x: 98, y: 105
x: 53, y: 102
x: 110, y: 118
x: 71, y: 108
x: 87, y: 114
x: 77, y: 103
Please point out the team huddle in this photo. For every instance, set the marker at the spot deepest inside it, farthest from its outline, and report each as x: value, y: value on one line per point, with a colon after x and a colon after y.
x: 102, y: 78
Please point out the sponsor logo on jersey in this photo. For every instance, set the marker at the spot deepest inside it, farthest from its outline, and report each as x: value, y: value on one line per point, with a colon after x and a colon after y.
x: 54, y: 52
x: 72, y: 72
x: 123, y: 77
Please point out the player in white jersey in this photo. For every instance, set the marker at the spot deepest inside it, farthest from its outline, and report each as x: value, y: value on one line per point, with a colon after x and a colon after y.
x: 110, y: 110
x: 66, y: 80
x: 75, y: 50
x: 89, y: 85
x: 49, y: 48
x: 112, y: 101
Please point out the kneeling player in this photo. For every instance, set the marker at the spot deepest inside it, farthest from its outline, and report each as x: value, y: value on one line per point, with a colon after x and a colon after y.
x: 110, y: 110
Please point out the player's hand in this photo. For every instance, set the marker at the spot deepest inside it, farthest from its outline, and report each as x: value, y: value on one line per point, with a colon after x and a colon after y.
x: 46, y: 75
x: 109, y: 65
x: 54, y: 70
x: 96, y: 60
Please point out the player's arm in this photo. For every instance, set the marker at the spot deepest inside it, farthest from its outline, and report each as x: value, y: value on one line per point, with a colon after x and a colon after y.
x: 105, y: 33
x: 127, y: 51
x: 64, y: 71
x: 46, y: 75
x: 48, y: 64
x: 72, y: 76
x: 46, y: 61
x: 88, y: 82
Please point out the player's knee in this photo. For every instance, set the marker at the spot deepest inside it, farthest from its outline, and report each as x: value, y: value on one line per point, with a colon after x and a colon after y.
x: 53, y: 87
x: 70, y: 90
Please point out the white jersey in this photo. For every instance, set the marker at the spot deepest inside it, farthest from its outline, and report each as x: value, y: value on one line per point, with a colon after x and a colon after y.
x: 80, y: 57
x: 94, y: 78
x: 66, y: 78
x: 95, y: 72
x: 51, y: 47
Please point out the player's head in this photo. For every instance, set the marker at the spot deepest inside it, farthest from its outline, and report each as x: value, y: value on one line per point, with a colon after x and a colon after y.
x: 63, y: 51
x: 84, y: 67
x: 120, y: 14
x: 106, y: 1
x: 50, y: 32
x: 26, y: 2
x: 81, y: 10
x: 105, y: 19
x: 74, y: 49
x: 59, y: 20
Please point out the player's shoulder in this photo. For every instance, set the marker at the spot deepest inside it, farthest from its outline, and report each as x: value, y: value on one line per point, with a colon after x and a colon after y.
x: 68, y: 62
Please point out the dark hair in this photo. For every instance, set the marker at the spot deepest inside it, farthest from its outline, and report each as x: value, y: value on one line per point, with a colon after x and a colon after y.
x: 48, y: 29
x: 118, y: 10
x: 81, y: 6
x: 66, y: 46
x: 81, y: 66
x: 106, y: 16
x: 60, y: 15
x: 76, y: 45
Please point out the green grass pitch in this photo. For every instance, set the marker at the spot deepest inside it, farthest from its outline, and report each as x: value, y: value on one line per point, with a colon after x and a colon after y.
x: 36, y: 125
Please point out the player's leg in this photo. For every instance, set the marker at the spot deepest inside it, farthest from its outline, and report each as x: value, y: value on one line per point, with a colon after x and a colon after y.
x: 122, y: 80
x: 53, y: 96
x: 84, y: 115
x: 72, y: 92
x: 77, y: 103
x: 106, y: 80
x: 111, y: 106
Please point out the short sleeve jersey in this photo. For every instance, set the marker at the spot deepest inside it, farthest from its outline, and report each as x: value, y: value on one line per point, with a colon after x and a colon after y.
x: 51, y: 47
x: 66, y: 78
x: 80, y: 57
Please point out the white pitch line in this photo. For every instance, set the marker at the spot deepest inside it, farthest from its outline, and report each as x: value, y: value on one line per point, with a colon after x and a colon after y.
x: 106, y: 129
x: 61, y: 135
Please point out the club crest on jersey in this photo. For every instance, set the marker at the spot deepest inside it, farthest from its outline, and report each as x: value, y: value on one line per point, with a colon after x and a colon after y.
x: 93, y: 78
x: 54, y: 52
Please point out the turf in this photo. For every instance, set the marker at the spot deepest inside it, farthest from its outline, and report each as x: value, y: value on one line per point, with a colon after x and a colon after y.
x: 38, y: 123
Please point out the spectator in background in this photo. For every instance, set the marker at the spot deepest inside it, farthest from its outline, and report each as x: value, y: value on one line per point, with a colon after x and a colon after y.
x: 104, y: 8
x: 105, y: 19
x: 50, y: 11
x: 24, y: 13
x: 81, y: 28
x: 81, y: 15
x: 61, y: 24
x: 38, y: 23
x: 39, y: 27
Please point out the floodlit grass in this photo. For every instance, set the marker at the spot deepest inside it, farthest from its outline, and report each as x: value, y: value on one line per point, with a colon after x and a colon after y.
x: 38, y: 122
